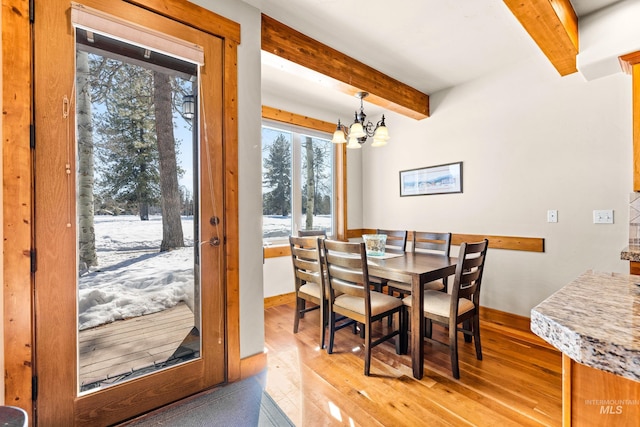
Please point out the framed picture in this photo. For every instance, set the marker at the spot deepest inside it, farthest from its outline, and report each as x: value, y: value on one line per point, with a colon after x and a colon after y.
x: 440, y: 179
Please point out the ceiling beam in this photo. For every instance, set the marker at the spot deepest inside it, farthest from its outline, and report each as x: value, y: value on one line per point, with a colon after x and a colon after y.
x: 628, y: 61
x: 345, y: 73
x: 553, y: 25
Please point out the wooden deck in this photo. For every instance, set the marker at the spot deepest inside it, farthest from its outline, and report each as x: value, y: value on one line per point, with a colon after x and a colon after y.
x: 110, y: 351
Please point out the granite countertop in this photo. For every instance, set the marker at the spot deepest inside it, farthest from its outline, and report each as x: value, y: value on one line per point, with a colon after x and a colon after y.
x: 595, y: 320
x: 631, y: 253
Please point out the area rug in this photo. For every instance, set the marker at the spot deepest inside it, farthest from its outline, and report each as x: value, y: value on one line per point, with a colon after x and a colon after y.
x: 240, y: 404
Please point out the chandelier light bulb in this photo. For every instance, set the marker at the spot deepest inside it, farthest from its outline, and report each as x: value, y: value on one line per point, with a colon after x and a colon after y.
x: 338, y: 135
x: 356, y: 130
x: 361, y: 129
x: 353, y: 143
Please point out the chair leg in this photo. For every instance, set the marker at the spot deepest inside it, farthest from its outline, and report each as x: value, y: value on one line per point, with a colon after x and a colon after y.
x: 367, y: 347
x: 476, y: 336
x: 332, y: 330
x: 467, y: 326
x: 296, y: 319
x: 428, y: 327
x: 303, y: 305
x: 453, y: 349
x: 401, y: 341
x: 323, y: 316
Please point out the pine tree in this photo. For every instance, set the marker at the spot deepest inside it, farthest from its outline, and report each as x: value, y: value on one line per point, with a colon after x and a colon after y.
x: 277, y: 178
x: 136, y: 144
x: 127, y: 141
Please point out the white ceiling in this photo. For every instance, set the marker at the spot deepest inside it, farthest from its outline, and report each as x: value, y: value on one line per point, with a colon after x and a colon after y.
x: 430, y: 45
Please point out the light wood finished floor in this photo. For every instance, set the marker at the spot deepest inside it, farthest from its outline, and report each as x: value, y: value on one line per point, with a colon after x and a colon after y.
x: 119, y: 347
x: 517, y: 384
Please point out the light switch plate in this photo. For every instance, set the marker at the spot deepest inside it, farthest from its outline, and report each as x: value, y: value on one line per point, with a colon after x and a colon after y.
x: 603, y: 216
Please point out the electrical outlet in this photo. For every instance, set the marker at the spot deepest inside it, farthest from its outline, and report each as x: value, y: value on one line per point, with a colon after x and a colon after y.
x: 552, y: 215
x: 603, y: 216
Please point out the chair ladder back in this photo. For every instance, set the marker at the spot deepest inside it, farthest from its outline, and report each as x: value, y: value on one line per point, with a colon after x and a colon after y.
x: 396, y: 239
x: 305, y: 255
x: 440, y: 242
x: 346, y: 265
x: 469, y: 270
x: 307, y: 277
x: 306, y: 233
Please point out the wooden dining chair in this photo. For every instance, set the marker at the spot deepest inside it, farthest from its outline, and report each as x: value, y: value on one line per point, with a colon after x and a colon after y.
x: 305, y: 233
x: 309, y: 281
x: 438, y: 243
x: 350, y: 296
x: 396, y: 242
x: 462, y: 306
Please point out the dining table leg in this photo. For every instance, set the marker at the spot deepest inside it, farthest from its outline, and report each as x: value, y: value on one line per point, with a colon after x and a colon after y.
x: 417, y: 327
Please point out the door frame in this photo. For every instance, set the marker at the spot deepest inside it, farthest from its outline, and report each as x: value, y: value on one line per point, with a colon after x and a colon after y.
x: 18, y: 200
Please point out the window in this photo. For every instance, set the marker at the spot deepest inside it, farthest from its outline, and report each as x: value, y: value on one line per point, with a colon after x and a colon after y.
x: 297, y: 181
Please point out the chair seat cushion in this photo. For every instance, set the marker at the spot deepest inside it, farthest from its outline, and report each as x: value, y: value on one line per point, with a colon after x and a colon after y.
x: 406, y: 287
x: 312, y: 289
x: 438, y: 303
x: 379, y: 303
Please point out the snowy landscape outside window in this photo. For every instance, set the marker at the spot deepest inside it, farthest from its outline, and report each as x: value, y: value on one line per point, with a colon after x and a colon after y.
x: 297, y: 182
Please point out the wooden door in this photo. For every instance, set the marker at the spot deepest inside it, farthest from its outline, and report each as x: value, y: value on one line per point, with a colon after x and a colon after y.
x: 59, y: 400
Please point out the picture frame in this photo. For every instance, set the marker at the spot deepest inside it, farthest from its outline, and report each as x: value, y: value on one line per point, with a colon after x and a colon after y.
x: 438, y: 179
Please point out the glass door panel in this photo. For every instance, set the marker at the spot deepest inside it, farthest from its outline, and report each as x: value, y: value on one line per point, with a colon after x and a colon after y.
x: 138, y: 293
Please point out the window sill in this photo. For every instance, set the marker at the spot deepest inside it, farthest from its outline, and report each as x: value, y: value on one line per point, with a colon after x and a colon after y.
x: 276, y: 251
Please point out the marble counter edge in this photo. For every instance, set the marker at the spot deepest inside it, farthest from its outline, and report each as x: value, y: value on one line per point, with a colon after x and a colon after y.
x: 631, y: 253
x: 602, y: 353
x: 606, y: 357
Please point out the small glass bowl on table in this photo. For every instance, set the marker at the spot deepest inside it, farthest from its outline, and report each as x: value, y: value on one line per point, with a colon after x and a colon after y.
x: 375, y: 244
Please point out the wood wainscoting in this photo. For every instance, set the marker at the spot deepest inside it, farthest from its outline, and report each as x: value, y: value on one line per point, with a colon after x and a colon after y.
x: 514, y: 243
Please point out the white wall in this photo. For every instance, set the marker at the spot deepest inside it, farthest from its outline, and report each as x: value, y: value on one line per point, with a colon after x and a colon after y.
x: 530, y: 141
x: 250, y: 179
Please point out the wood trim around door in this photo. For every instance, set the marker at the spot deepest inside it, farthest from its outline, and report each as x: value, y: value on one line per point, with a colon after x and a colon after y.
x: 18, y: 219
x: 17, y: 203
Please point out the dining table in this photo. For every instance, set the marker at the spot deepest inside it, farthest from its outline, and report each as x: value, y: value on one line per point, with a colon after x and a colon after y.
x: 416, y: 268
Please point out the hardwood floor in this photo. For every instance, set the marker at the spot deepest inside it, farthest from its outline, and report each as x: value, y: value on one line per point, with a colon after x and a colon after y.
x: 518, y: 382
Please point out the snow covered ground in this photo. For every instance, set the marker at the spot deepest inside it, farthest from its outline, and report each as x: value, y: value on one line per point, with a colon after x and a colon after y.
x: 133, y: 278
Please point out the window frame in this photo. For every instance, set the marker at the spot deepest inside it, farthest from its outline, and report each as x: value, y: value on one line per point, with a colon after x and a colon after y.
x: 278, y: 116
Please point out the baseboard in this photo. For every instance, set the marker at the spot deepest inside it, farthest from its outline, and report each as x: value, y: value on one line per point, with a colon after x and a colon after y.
x: 504, y: 318
x: 253, y: 365
x: 283, y: 299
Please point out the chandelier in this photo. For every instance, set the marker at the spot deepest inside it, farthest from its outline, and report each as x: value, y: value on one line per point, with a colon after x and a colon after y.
x: 359, y: 131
